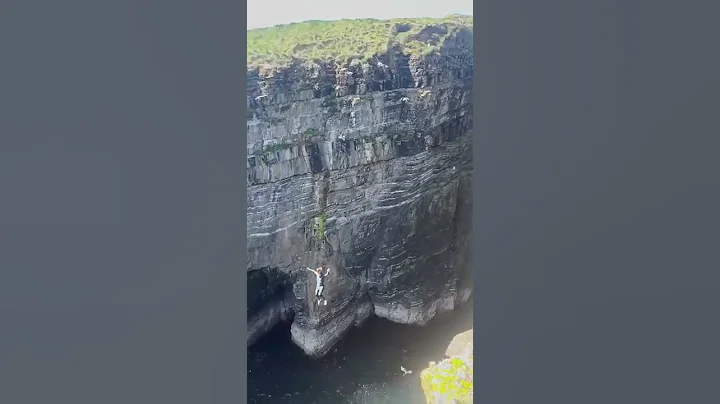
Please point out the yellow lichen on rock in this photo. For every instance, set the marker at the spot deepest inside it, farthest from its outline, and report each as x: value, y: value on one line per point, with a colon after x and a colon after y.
x: 451, y: 380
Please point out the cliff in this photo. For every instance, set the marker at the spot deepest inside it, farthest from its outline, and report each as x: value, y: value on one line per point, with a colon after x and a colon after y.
x: 359, y: 158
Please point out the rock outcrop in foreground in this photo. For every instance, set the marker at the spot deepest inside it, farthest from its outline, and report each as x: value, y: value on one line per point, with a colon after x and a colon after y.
x: 451, y: 380
x: 363, y: 166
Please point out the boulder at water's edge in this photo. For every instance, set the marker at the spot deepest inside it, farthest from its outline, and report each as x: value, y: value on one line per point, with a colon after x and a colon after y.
x: 451, y: 380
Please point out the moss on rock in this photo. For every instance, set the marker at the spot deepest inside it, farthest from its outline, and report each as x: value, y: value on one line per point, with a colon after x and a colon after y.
x: 451, y: 380
x: 321, y: 219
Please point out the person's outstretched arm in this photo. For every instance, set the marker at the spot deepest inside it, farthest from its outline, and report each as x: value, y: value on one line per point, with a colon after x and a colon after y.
x: 327, y: 271
x: 311, y: 270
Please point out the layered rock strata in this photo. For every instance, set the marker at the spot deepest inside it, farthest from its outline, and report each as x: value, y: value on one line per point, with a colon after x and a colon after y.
x: 364, y: 168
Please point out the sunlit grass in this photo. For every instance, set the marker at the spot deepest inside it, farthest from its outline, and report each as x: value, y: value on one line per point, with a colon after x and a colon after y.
x: 344, y: 40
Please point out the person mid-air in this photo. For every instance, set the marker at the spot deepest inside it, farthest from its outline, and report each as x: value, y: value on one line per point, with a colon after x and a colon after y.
x: 320, y: 285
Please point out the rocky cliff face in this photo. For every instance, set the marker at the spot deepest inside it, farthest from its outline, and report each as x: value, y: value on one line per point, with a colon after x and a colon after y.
x: 364, y: 168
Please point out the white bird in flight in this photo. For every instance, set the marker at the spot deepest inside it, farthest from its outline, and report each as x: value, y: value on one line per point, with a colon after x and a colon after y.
x: 405, y: 371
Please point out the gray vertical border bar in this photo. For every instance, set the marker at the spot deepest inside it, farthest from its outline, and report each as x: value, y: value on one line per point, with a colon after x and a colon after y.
x: 596, y: 215
x: 476, y: 183
x: 122, y: 235
x: 243, y: 263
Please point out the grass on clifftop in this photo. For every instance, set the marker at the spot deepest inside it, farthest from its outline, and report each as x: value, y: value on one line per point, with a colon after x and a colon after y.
x: 344, y: 40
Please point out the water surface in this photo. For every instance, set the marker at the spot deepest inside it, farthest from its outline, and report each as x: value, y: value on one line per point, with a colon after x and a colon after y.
x: 362, y: 368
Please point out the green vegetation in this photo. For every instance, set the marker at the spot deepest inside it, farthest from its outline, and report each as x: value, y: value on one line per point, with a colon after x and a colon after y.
x: 344, y: 40
x: 306, y: 137
x: 276, y: 147
x: 320, y: 220
x: 309, y: 134
x: 450, y: 381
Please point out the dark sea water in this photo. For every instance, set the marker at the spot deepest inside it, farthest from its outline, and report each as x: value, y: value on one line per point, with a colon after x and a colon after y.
x: 362, y: 368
